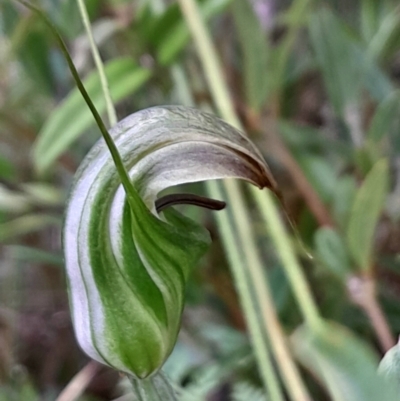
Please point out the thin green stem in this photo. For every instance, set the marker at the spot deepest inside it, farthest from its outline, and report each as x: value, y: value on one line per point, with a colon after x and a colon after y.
x: 210, y: 61
x: 286, y: 253
x: 123, y: 174
x: 112, y: 115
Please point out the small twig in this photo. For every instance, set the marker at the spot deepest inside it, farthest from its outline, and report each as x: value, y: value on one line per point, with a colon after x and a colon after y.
x: 79, y: 382
x: 362, y: 291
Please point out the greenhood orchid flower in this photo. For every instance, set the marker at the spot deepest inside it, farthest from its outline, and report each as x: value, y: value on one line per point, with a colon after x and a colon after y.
x: 128, y: 260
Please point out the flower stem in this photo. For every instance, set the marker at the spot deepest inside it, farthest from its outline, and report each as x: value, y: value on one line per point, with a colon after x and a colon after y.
x: 362, y: 291
x: 154, y: 388
x: 112, y: 115
x: 123, y: 174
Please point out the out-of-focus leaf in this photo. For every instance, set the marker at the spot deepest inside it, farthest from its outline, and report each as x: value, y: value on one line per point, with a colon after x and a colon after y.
x: 43, y: 194
x: 346, y: 65
x: 377, y: 83
x: 25, y: 225
x: 301, y: 138
x: 365, y: 213
x: 332, y: 252
x: 370, y: 14
x: 18, y: 391
x: 389, y: 367
x: 33, y: 47
x: 222, y: 339
x: 203, y: 381
x: 245, y: 391
x: 319, y: 172
x: 344, y: 364
x: 335, y: 52
x: 343, y: 197
x: 30, y: 194
x: 175, y: 40
x: 7, y: 169
x: 8, y: 17
x: 280, y: 289
x: 386, y: 37
x: 67, y: 16
x: 33, y: 255
x: 73, y: 117
x: 103, y: 31
x: 386, y: 119
x: 12, y: 201
x: 255, y: 50
x: 169, y: 34
x: 365, y: 159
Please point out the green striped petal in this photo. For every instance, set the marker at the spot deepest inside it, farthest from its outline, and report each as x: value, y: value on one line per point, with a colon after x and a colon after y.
x: 127, y: 265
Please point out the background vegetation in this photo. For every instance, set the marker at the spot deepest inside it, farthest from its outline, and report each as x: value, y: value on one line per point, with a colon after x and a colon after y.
x: 313, y: 83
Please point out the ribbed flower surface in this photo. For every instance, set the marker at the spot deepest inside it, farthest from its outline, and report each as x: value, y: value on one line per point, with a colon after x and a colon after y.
x: 127, y: 267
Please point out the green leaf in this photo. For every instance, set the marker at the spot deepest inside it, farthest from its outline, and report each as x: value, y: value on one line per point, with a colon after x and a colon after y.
x: 7, y: 168
x: 345, y: 365
x: 12, y: 201
x: 43, y: 194
x: 73, y: 117
x: 386, y: 119
x: 8, y: 17
x: 335, y: 52
x: 365, y: 213
x: 33, y: 255
x: 68, y: 18
x: 364, y: 158
x: 246, y: 391
x: 319, y: 172
x: 34, y: 193
x: 127, y: 266
x: 168, y: 32
x: 345, y: 63
x: 332, y: 251
x: 375, y: 80
x: 386, y: 39
x: 176, y: 39
x: 301, y: 138
x: 255, y: 51
x: 25, y: 225
x: 343, y: 198
x: 203, y: 382
x: 34, y: 51
x: 370, y: 15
